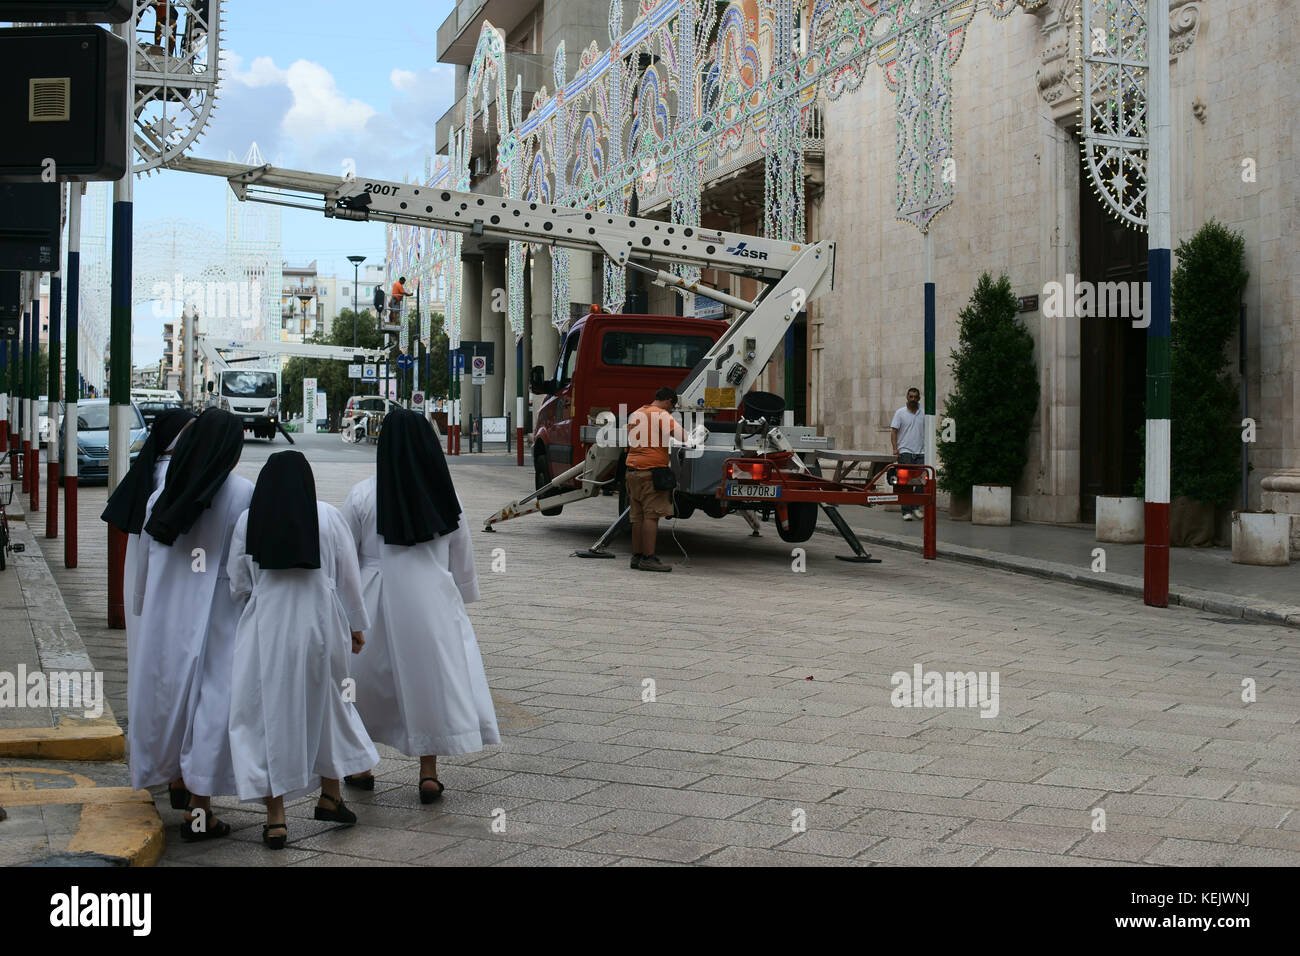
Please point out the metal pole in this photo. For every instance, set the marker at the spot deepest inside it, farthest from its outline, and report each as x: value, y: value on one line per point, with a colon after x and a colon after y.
x: 72, y: 384
x: 119, y: 385
x: 33, y: 400
x: 15, y: 398
x: 24, y: 410
x: 519, y: 402
x: 1155, y: 579
x: 52, y: 408
x: 931, y: 435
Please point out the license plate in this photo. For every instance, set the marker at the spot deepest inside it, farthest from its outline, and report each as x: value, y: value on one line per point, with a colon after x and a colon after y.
x: 248, y: 421
x: 740, y: 489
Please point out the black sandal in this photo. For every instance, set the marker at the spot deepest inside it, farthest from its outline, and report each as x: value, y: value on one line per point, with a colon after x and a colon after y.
x: 340, y: 813
x: 362, y: 781
x: 214, y: 830
x: 427, y: 796
x: 179, y: 796
x: 275, y: 842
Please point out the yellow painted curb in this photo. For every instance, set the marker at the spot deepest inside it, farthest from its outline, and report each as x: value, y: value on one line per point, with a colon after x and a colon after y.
x: 64, y: 796
x: 71, y: 740
x: 115, y: 821
x: 132, y: 831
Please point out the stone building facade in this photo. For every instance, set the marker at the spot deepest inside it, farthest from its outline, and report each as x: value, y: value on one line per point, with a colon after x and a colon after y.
x: 1025, y: 207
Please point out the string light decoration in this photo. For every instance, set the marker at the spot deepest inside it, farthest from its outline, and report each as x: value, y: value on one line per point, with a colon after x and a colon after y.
x: 1112, y: 60
x: 694, y: 89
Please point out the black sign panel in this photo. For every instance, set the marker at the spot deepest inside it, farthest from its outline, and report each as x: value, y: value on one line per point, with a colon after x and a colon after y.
x: 484, y: 349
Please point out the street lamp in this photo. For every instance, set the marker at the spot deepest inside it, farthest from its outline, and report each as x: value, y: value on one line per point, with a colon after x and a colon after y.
x: 356, y: 264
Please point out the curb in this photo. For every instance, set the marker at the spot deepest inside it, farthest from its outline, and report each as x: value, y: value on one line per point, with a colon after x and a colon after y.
x: 119, y: 826
x: 1215, y: 602
x: 99, y: 740
x: 59, y: 647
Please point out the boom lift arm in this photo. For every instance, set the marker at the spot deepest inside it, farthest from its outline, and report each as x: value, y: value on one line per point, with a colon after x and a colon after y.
x: 798, y: 272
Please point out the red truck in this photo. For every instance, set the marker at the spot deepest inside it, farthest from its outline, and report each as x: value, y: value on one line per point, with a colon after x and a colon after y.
x: 607, y: 361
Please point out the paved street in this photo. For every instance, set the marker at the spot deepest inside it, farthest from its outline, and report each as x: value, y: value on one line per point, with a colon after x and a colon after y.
x: 738, y: 711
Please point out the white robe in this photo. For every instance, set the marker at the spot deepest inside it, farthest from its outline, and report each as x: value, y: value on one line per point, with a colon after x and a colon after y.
x: 290, y: 723
x: 129, y: 567
x: 421, y: 688
x: 178, y: 686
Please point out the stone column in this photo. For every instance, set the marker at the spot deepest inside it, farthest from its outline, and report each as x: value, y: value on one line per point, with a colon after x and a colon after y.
x: 493, y: 311
x: 471, y: 298
x: 544, y: 340
x: 580, y: 279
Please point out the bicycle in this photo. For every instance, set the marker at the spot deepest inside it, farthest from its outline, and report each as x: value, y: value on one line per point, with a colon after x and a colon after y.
x: 6, y: 546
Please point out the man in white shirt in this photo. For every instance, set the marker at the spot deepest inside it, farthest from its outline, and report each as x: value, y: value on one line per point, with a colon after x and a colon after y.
x: 907, y: 432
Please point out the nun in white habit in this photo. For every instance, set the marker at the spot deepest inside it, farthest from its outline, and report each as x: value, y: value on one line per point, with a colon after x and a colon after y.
x: 293, y: 569
x: 421, y: 688
x: 187, y: 622
x: 126, y: 510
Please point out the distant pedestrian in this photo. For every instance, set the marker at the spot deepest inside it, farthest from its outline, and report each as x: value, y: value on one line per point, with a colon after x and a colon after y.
x: 648, y: 478
x: 293, y: 570
x: 178, y: 725
x: 126, y: 510
x: 420, y: 686
x: 907, y: 432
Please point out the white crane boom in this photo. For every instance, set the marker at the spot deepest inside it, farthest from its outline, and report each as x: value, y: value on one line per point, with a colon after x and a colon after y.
x: 797, y: 272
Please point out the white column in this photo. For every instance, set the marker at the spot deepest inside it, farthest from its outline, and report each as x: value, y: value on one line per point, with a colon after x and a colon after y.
x: 493, y: 312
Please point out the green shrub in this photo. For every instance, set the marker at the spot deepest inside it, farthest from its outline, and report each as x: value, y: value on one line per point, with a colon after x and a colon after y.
x: 1205, y: 440
x: 995, y: 392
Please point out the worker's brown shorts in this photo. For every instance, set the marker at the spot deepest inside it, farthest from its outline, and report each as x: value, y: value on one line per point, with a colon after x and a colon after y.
x: 645, y: 500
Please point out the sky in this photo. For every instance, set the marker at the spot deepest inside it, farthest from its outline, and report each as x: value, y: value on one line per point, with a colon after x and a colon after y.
x: 314, y: 84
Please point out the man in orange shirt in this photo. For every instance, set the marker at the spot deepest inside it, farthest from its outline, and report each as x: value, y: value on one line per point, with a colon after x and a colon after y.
x: 648, y: 431
x: 395, y: 300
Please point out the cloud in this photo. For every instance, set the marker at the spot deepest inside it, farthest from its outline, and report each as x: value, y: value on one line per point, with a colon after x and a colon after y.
x: 302, y: 119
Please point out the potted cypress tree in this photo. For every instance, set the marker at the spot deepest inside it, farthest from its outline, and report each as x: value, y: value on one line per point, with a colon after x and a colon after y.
x: 993, y: 401
x: 1205, y: 437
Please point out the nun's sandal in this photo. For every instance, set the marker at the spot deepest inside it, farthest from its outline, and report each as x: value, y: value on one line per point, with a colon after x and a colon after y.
x: 275, y: 842
x: 214, y: 830
x: 179, y: 797
x: 340, y: 813
x: 428, y: 796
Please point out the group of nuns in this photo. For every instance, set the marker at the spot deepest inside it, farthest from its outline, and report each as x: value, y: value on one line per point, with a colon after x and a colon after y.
x: 244, y: 601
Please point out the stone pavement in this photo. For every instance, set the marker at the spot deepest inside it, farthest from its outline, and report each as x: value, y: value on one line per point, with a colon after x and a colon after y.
x: 1202, y: 578
x: 63, y: 782
x: 738, y: 711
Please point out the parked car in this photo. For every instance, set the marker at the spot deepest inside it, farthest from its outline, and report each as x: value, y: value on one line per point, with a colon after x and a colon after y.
x: 152, y: 409
x: 92, y: 438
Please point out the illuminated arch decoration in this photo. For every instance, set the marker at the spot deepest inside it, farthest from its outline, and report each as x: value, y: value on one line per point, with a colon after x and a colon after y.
x: 693, y: 90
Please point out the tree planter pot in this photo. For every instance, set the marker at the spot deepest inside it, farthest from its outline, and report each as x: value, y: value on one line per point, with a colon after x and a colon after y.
x: 1191, y: 523
x: 1120, y: 519
x: 1261, y: 538
x: 991, y: 505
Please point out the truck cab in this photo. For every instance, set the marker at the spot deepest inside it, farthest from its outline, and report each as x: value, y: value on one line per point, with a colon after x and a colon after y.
x: 610, y: 363
x: 251, y: 395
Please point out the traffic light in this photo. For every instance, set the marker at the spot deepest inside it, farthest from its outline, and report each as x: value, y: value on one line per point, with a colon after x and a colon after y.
x: 66, y: 11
